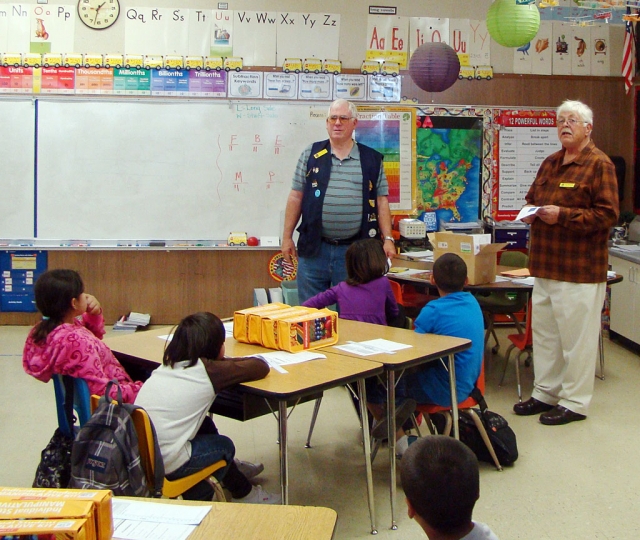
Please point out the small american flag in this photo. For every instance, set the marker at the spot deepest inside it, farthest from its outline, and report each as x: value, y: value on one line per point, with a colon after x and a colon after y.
x: 628, y: 55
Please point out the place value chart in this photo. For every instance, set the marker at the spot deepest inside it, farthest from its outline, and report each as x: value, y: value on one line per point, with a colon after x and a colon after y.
x: 524, y: 139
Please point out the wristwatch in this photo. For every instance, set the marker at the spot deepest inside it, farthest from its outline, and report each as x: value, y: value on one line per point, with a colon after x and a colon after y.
x: 389, y: 238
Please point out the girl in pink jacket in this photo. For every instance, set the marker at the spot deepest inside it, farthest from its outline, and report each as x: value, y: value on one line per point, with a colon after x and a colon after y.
x: 68, y: 340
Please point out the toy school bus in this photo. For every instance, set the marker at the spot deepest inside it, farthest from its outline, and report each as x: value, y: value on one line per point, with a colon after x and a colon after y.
x: 135, y: 61
x: 51, y: 60
x: 390, y: 68
x: 72, y: 60
x: 233, y: 62
x: 370, y: 67
x: 237, y: 239
x: 152, y: 61
x: 194, y: 62
x: 94, y: 60
x: 467, y: 72
x: 484, y: 72
x: 172, y: 61
x: 32, y: 60
x: 292, y: 65
x: 212, y: 63
x: 11, y: 59
x: 312, y: 65
x: 113, y: 61
x: 332, y: 66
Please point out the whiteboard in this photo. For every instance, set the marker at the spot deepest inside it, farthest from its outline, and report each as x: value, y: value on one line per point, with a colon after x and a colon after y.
x: 136, y: 169
x: 17, y: 149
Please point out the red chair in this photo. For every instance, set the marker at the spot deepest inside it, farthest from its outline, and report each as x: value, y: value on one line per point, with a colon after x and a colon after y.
x: 524, y: 343
x: 464, y: 407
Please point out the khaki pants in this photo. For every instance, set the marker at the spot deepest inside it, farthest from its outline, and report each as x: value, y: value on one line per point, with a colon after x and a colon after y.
x: 566, y: 328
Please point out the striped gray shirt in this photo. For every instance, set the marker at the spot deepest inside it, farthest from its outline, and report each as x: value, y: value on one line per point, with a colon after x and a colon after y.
x: 342, y: 208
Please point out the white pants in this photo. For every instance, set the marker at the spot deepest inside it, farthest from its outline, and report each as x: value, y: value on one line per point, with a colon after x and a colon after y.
x: 566, y: 328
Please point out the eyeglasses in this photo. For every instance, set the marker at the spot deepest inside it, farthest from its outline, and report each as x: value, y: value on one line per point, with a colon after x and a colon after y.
x: 333, y: 119
x: 569, y: 121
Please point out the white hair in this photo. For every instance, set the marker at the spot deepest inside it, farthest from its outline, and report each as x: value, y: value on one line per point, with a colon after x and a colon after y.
x: 577, y: 107
x: 352, y: 108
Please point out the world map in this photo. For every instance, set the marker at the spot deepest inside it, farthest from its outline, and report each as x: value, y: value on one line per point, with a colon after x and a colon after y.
x: 448, y: 173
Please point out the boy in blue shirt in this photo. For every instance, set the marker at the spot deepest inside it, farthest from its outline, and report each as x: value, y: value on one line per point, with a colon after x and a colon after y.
x: 456, y: 313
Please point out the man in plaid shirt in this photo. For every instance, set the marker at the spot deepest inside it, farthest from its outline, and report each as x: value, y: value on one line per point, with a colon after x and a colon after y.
x: 577, y: 194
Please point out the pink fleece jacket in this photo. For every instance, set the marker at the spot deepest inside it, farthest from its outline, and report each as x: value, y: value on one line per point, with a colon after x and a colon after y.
x: 77, y: 350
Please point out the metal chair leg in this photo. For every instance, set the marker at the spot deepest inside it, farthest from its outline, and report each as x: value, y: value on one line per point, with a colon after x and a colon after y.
x: 316, y: 408
x: 506, y: 363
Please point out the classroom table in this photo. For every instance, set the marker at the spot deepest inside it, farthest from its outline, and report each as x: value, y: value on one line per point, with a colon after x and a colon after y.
x: 304, y: 379
x: 249, y: 521
x: 424, y: 348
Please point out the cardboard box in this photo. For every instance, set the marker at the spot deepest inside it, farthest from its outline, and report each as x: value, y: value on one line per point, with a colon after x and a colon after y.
x: 270, y: 326
x: 241, y: 320
x: 310, y: 331
x: 476, y: 250
x: 49, y: 510
x: 100, y: 499
x: 69, y: 529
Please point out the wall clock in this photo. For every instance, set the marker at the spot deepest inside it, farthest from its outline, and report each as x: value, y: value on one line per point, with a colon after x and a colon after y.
x: 98, y: 14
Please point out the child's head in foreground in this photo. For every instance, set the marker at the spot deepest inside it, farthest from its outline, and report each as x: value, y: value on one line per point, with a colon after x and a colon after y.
x: 449, y: 273
x: 441, y: 482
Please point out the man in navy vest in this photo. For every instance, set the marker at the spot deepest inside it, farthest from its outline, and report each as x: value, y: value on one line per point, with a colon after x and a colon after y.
x: 340, y: 192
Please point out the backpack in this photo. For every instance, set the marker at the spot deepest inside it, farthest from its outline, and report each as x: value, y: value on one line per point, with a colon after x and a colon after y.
x: 106, y: 455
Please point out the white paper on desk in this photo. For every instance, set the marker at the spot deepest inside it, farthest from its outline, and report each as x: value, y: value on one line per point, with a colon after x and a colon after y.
x: 525, y: 281
x: 373, y: 346
x: 611, y: 274
x: 159, y: 512
x: 228, y: 329
x: 501, y: 278
x: 526, y: 211
x: 277, y: 359
x: 166, y: 337
x: 129, y: 529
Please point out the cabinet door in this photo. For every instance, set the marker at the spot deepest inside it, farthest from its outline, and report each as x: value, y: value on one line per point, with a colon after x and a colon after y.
x: 623, y: 299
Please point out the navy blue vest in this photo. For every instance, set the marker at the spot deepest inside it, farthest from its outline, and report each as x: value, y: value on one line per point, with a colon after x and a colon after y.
x: 318, y: 174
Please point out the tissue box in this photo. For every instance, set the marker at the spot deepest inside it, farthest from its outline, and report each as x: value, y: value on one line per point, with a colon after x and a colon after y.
x: 311, y: 331
x: 241, y: 319
x: 476, y: 250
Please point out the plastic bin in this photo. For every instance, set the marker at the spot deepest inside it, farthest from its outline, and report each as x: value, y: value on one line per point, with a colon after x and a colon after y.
x: 290, y: 292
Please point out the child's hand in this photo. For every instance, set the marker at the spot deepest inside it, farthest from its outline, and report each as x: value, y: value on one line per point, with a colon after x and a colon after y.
x: 93, y: 306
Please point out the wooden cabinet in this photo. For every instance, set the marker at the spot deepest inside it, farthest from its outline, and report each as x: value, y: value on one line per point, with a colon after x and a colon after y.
x: 625, y: 299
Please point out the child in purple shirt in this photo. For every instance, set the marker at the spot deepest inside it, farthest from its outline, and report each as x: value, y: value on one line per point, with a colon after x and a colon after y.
x: 366, y: 295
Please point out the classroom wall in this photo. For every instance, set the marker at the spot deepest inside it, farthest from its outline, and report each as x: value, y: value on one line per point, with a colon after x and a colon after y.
x: 171, y: 284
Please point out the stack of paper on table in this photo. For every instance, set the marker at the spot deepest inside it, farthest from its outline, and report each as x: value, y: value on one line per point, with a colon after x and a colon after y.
x: 131, y: 322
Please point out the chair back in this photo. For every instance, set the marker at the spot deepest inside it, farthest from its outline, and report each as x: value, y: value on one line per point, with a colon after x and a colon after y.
x: 63, y: 387
x: 396, y: 289
x: 514, y: 258
x: 146, y: 444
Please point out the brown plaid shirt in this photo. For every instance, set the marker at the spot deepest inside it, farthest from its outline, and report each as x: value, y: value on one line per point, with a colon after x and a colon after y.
x: 586, y: 190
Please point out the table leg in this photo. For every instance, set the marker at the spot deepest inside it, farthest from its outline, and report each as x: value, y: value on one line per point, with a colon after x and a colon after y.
x: 454, y: 396
x: 391, y: 434
x: 284, y: 459
x: 362, y: 392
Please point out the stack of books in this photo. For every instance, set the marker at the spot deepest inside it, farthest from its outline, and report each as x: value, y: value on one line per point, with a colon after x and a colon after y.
x: 131, y: 322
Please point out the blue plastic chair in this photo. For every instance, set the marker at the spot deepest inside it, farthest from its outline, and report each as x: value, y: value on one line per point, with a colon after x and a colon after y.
x: 81, y: 401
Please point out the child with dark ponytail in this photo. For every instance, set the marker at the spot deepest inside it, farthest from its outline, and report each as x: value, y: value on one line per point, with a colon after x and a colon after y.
x: 68, y: 339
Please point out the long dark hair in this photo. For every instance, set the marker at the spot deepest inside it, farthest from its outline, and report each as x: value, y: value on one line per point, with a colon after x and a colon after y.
x: 200, y: 335
x: 365, y: 261
x: 54, y: 291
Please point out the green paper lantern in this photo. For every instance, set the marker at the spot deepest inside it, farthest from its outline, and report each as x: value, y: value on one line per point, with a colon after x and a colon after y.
x: 511, y: 24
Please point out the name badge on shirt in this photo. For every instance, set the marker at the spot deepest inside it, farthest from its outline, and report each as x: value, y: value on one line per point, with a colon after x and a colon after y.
x: 321, y: 153
x: 567, y: 184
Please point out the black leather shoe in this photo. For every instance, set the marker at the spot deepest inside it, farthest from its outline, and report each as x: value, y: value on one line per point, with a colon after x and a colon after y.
x: 530, y: 407
x: 560, y: 415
